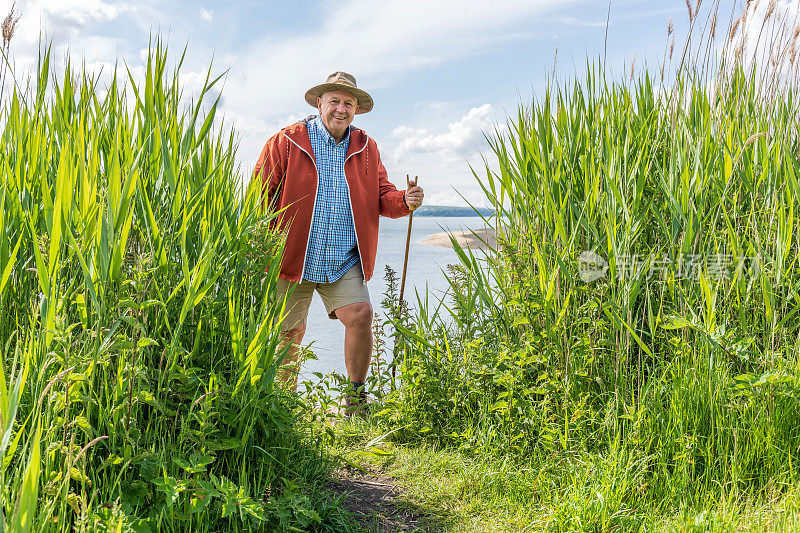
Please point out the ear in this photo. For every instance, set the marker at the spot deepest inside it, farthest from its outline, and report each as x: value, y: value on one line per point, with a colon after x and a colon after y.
x: 319, y: 104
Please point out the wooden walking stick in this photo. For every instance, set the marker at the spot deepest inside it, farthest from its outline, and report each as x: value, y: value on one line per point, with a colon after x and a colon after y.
x: 408, y: 242
x: 400, y: 301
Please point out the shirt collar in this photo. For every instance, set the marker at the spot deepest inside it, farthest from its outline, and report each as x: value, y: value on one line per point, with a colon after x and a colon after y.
x: 326, y: 135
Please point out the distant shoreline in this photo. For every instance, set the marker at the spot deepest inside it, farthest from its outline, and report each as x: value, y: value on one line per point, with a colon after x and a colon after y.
x: 467, y: 238
x: 451, y: 211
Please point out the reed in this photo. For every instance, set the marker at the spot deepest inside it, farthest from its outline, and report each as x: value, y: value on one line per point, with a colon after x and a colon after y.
x: 139, y: 325
x: 670, y: 383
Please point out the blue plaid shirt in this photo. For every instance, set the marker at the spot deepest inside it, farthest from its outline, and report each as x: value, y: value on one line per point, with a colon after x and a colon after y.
x: 332, y: 245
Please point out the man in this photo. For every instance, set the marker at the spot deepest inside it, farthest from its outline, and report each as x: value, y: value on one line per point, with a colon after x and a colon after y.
x: 328, y: 178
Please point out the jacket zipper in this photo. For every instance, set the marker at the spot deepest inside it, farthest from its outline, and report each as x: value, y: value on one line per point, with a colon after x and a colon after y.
x: 352, y: 214
x: 313, y: 210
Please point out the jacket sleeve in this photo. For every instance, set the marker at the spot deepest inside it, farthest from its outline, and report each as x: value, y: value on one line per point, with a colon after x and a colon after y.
x: 391, y: 201
x: 270, y: 169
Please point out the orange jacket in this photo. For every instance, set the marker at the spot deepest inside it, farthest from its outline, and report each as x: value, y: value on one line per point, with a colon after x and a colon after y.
x: 289, y: 176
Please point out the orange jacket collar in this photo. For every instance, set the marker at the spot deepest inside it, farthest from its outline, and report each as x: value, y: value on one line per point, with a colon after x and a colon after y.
x: 298, y: 133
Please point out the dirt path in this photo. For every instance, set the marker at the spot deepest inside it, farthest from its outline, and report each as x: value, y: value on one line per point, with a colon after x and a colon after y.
x: 374, y: 500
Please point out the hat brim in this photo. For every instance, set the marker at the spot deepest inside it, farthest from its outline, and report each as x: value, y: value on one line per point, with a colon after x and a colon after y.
x: 363, y: 97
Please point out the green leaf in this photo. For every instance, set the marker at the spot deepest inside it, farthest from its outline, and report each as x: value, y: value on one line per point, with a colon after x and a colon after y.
x: 29, y: 490
x: 79, y: 476
x: 170, y: 487
x: 12, y: 259
x: 502, y: 405
x: 41, y: 268
x: 521, y: 320
x: 144, y: 342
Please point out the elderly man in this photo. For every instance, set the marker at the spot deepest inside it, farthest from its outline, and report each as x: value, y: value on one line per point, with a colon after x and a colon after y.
x: 329, y: 179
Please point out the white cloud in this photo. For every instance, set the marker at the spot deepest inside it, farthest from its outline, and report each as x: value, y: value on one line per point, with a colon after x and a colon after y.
x: 77, y: 13
x: 64, y: 16
x: 64, y: 25
x: 458, y: 142
x: 441, y: 156
x: 206, y: 15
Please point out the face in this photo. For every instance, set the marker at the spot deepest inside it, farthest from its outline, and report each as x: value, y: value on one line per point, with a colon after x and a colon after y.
x: 337, y: 109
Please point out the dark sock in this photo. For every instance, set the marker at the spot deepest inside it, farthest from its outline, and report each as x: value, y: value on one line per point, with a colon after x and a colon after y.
x: 357, y: 392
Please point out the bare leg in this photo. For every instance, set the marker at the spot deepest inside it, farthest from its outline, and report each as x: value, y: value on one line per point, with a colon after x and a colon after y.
x: 357, y: 320
x: 287, y: 374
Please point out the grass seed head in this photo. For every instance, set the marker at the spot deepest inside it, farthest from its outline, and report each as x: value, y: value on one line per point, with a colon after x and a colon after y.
x: 734, y: 28
x: 714, y: 26
x: 689, y: 9
x: 770, y: 9
x: 10, y: 24
x: 555, y: 62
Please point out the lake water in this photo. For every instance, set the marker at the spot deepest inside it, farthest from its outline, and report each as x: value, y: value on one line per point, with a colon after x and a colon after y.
x: 426, y: 268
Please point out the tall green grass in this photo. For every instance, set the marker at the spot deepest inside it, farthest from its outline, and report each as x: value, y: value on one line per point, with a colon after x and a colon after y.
x: 139, y: 331
x: 644, y: 393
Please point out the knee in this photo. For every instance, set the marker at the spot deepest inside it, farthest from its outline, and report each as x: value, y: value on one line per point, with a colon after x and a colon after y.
x: 358, y: 315
x: 364, y: 314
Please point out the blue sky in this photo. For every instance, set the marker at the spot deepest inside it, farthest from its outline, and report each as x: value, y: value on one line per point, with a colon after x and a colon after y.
x: 440, y: 72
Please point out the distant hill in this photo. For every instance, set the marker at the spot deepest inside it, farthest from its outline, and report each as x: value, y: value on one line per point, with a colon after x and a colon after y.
x: 450, y: 211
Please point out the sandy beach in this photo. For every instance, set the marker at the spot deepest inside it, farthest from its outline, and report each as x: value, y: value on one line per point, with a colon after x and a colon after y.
x: 471, y: 239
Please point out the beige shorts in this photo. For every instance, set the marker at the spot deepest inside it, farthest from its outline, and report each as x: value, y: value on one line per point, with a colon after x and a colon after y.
x: 349, y: 289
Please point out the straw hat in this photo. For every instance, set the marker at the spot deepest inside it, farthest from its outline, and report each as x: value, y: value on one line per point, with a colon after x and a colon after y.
x: 341, y: 81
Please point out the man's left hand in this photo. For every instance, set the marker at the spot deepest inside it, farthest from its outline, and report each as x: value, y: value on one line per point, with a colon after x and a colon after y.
x: 414, y: 196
